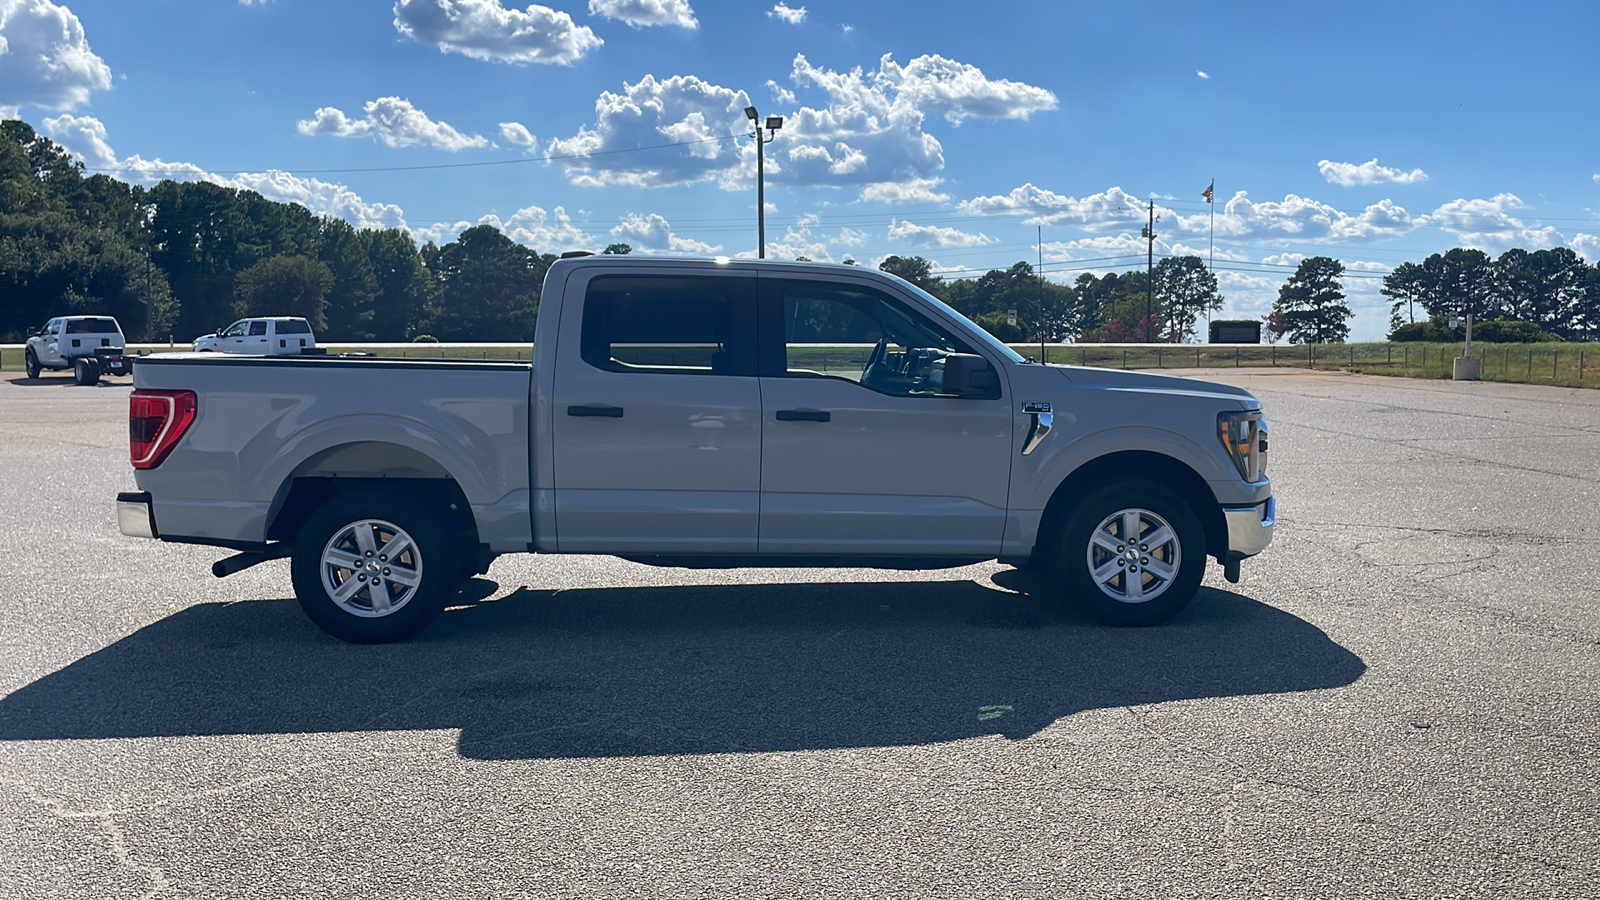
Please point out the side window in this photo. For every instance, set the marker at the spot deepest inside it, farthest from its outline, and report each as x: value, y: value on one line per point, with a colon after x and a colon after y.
x: 258, y: 329
x: 236, y: 329
x: 865, y: 336
x: 684, y: 325
x: 292, y: 326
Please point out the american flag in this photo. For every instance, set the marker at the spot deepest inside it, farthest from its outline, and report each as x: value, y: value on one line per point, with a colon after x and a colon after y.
x: 1207, y: 193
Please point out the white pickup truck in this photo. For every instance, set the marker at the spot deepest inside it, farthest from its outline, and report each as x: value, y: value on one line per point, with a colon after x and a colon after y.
x: 266, y: 335
x: 91, y: 346
x: 700, y: 413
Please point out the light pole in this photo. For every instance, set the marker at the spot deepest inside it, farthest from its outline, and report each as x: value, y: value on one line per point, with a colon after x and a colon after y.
x: 773, y: 124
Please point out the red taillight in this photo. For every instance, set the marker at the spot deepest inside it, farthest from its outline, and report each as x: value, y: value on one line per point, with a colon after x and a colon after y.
x: 156, y: 422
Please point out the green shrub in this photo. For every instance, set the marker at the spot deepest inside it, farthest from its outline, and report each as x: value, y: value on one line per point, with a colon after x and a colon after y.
x: 1505, y: 331
x: 424, y: 339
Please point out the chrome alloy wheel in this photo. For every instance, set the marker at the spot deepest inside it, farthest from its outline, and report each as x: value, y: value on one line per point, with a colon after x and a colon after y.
x: 371, y: 568
x: 1134, y: 555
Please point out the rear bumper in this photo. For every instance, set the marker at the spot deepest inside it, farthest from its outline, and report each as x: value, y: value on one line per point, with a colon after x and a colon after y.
x: 1250, y: 527
x: 134, y: 515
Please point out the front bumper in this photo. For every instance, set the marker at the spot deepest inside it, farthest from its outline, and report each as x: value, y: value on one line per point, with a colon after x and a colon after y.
x: 134, y: 515
x: 1250, y: 527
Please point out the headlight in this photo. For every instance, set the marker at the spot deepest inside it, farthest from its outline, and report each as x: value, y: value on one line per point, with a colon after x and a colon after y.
x: 1244, y: 435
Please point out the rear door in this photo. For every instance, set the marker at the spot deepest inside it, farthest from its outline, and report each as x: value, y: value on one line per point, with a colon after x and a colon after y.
x: 657, y: 425
x: 255, y: 340
x: 862, y: 454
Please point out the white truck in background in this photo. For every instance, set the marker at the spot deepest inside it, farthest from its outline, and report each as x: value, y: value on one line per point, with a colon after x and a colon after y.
x: 261, y: 336
x: 91, y: 346
x: 678, y: 412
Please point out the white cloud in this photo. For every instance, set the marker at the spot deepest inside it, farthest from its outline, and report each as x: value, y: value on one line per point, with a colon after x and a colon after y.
x: 45, y: 59
x: 643, y: 13
x: 321, y: 197
x: 1488, y: 224
x: 395, y: 122
x: 1283, y: 259
x: 85, y: 137
x: 1597, y: 179
x: 792, y: 15
x: 1587, y: 246
x: 517, y: 133
x: 1295, y: 218
x: 1201, y: 74
x: 959, y: 91
x: 847, y: 28
x: 679, y: 110
x: 935, y: 236
x: 915, y: 190
x: 1113, y: 208
x: 483, y: 29
x: 653, y: 234
x: 532, y: 227
x: 1369, y: 172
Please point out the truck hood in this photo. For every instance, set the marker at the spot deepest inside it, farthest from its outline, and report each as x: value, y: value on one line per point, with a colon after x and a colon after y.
x: 1142, y: 382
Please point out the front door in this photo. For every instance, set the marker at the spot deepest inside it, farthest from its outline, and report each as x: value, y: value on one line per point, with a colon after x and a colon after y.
x: 862, y: 453
x: 657, y: 419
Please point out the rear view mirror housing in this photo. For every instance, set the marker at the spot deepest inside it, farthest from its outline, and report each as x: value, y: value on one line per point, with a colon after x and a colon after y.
x: 970, y: 375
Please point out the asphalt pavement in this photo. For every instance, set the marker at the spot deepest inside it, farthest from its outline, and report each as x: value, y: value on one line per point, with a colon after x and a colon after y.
x: 1399, y: 700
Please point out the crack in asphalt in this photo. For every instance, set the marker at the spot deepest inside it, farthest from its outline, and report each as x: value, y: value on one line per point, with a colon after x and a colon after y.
x: 116, y: 838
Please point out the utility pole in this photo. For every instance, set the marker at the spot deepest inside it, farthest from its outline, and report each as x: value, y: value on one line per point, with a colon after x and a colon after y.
x: 773, y: 124
x: 1149, y: 273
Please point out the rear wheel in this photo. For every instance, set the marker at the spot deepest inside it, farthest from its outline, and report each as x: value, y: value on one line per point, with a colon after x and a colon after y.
x: 86, y: 370
x: 32, y: 363
x: 371, y: 568
x: 1131, y: 554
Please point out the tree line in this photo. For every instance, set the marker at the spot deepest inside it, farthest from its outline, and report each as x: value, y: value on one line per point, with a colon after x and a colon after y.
x: 181, y: 259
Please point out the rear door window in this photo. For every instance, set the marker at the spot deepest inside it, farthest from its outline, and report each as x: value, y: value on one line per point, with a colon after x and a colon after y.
x: 258, y: 329
x: 671, y: 324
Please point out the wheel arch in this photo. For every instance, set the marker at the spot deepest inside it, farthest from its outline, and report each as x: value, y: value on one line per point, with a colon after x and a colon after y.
x: 359, y: 465
x: 1154, y: 467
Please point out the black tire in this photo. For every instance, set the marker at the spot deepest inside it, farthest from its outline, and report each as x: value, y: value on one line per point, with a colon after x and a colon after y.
x: 335, y: 528
x: 32, y: 363
x: 1117, y: 601
x: 86, y: 371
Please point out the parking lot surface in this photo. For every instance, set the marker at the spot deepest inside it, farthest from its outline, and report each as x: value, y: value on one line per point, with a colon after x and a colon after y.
x: 1399, y: 700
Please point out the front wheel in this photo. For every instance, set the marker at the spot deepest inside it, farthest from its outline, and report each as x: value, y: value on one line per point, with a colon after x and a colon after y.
x: 32, y: 364
x: 372, y: 568
x: 1132, y: 554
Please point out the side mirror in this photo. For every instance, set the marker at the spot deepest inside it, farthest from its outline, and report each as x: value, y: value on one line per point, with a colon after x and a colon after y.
x: 970, y: 375
x: 219, y: 331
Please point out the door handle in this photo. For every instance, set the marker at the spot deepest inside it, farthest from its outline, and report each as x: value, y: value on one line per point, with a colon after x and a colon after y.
x: 604, y: 412
x: 804, y: 415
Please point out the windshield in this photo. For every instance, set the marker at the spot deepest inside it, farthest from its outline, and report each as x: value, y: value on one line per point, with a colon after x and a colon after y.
x: 989, y: 340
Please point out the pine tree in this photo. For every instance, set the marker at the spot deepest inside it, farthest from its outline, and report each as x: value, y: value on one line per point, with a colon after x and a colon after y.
x: 1312, y: 303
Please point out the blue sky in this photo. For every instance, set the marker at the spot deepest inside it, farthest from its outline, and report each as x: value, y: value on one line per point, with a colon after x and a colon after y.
x: 1372, y: 132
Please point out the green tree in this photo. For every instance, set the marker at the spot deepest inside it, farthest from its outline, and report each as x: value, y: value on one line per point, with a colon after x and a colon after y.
x: 617, y: 249
x: 405, y: 287
x: 1545, y: 288
x: 916, y: 270
x: 1405, y: 287
x: 488, y: 287
x: 285, y: 286
x: 1187, y: 291
x: 1312, y: 303
x: 352, y: 299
